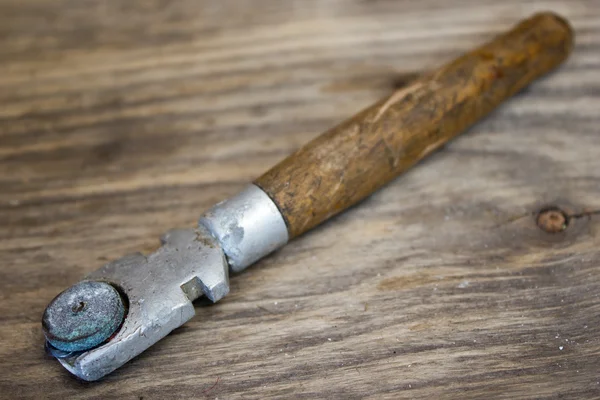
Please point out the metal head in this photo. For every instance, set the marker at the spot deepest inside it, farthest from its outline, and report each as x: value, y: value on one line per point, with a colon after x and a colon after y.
x: 159, y: 290
x: 137, y: 300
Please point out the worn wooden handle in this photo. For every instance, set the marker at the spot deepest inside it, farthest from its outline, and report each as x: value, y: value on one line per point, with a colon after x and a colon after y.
x: 352, y: 160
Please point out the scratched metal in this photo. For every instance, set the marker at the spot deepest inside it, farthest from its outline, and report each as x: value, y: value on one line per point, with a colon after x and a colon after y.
x: 160, y: 289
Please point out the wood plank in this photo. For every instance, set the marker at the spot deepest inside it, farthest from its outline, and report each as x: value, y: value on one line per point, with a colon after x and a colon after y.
x: 120, y: 120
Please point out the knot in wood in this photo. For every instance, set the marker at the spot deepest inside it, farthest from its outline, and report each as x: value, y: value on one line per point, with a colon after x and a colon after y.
x: 552, y: 220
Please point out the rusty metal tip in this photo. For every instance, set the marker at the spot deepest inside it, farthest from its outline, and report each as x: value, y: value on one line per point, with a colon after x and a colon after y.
x: 83, y: 316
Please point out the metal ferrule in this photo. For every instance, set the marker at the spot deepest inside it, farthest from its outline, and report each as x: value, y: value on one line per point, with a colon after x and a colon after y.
x: 248, y: 226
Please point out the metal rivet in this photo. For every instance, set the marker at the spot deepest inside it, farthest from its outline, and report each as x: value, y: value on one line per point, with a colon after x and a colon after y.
x: 83, y: 316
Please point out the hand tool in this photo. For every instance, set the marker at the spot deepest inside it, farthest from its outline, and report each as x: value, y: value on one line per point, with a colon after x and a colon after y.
x: 129, y: 304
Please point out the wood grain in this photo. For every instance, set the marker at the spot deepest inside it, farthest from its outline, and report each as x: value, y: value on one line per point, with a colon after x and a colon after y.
x: 350, y: 161
x: 122, y: 119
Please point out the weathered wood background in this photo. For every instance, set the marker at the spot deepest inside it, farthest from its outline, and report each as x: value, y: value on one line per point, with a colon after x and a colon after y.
x: 122, y: 119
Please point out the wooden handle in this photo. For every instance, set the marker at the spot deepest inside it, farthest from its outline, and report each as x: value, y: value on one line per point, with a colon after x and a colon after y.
x: 352, y: 160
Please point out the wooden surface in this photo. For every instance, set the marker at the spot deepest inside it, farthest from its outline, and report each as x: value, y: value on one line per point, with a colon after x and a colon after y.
x: 355, y: 158
x: 122, y: 119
